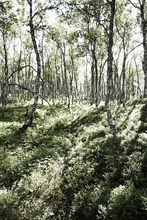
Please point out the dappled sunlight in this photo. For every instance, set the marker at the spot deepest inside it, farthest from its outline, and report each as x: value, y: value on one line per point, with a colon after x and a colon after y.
x: 70, y: 159
x: 142, y: 139
x: 73, y: 118
x: 127, y: 135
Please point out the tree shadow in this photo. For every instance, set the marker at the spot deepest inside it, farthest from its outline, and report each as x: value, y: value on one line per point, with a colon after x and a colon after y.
x: 14, y: 114
x: 87, y: 120
x: 122, y: 125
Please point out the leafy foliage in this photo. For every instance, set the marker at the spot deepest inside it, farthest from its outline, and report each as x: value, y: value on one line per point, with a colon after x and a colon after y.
x: 68, y: 166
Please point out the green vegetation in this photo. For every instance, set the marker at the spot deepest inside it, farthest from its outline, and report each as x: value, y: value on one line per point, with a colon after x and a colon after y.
x: 67, y: 165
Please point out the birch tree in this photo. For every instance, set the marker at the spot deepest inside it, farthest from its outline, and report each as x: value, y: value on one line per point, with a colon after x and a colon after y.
x: 141, y: 5
x: 38, y: 60
x: 7, y: 21
x: 110, y: 68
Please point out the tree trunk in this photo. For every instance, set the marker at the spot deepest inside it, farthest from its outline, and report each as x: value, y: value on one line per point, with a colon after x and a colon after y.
x: 137, y: 76
x: 18, y: 74
x: 43, y: 69
x: 72, y: 76
x: 110, y: 71
x: 37, y: 82
x: 96, y: 73
x: 5, y: 83
x: 92, y: 83
x: 144, y: 31
x: 65, y: 75
x: 123, y: 73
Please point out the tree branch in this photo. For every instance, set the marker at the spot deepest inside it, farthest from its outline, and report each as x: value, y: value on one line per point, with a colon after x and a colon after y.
x: 20, y: 68
x: 46, y: 8
x: 134, y: 5
x: 133, y: 49
x: 25, y: 88
x: 29, y: 2
x: 108, y: 2
x: 21, y: 86
x: 85, y: 9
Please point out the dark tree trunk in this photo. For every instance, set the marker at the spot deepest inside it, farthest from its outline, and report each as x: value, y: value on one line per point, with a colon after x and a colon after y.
x: 65, y: 75
x: 92, y: 83
x: 86, y: 83
x: 37, y: 81
x: 96, y: 73
x: 110, y: 70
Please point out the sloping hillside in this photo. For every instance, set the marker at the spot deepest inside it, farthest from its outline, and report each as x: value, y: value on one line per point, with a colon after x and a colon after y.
x: 68, y: 166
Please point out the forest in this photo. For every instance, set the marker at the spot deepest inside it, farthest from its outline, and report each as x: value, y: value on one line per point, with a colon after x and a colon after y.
x: 73, y: 110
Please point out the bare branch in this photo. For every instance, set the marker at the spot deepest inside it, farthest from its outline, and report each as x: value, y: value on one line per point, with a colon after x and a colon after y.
x: 29, y: 2
x: 29, y: 90
x: 134, y: 5
x: 21, y: 86
x: 85, y: 8
x: 19, y: 69
x: 46, y: 8
x: 108, y: 1
x: 133, y: 48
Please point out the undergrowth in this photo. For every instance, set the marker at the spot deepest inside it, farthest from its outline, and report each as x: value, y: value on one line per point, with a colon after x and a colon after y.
x: 68, y: 166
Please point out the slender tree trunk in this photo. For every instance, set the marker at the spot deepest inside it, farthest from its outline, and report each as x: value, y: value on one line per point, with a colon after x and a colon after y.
x: 43, y: 69
x: 72, y: 77
x: 76, y: 84
x: 5, y: 83
x: 65, y: 76
x: 128, y: 89
x: 101, y: 78
x: 18, y: 75
x: 123, y: 73
x: 92, y: 83
x: 96, y: 73
x: 110, y: 71
x: 138, y: 82
x: 37, y: 82
x: 62, y: 77
x: 57, y: 73
x: 86, y: 83
x: 144, y: 31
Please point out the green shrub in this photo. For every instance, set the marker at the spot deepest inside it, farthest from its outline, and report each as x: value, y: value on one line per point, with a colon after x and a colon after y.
x: 9, y: 205
x: 84, y: 204
x: 127, y: 202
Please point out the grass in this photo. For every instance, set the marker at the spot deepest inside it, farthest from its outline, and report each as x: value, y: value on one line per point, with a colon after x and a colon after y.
x: 68, y: 166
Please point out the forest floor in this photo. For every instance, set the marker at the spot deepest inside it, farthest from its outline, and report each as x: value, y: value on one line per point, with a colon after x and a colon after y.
x: 68, y: 166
